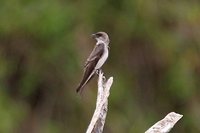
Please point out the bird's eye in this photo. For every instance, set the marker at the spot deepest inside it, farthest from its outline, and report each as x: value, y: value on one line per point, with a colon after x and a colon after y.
x: 99, y: 34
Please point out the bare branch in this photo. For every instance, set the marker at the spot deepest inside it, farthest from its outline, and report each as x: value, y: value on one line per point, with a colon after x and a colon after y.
x: 166, y: 124
x: 98, y: 120
x: 99, y: 116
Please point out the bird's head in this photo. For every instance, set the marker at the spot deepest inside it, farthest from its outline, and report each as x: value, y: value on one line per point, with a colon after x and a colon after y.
x: 101, y: 37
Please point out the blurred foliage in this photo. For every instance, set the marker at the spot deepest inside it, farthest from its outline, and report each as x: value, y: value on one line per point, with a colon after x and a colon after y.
x: 154, y: 58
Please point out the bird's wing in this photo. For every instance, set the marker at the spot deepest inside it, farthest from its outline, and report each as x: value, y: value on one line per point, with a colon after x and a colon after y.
x: 90, y: 65
x: 96, y: 54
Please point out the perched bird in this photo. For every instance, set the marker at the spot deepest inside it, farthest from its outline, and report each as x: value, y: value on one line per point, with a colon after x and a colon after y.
x: 96, y: 59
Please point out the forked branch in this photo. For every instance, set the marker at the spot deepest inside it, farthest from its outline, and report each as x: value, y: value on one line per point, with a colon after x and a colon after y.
x: 99, y: 116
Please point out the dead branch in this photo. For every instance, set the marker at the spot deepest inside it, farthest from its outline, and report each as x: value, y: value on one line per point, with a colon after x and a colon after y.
x: 99, y: 116
x: 166, y: 124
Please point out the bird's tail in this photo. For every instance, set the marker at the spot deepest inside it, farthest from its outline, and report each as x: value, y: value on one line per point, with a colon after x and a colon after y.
x: 83, y: 83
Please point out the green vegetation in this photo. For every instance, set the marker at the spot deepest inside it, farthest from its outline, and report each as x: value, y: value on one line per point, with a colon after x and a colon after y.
x: 154, y: 58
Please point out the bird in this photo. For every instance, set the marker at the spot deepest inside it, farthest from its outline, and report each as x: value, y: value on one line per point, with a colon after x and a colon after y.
x: 96, y: 59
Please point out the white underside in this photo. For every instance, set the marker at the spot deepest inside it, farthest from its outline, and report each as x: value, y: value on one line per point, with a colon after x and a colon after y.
x: 103, y: 58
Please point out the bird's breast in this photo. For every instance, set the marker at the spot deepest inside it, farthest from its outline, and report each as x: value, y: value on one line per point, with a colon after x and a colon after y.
x: 103, y: 58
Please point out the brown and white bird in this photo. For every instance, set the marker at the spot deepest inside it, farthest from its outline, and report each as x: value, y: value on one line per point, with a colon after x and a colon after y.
x: 96, y: 59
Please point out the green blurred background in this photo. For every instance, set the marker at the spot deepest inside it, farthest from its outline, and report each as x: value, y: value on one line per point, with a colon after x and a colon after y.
x: 154, y: 59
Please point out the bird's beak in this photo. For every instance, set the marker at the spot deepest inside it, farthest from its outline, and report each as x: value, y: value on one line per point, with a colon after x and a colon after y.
x: 93, y: 36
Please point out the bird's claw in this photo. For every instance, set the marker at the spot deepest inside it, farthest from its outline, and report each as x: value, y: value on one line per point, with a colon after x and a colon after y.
x: 98, y: 71
x: 104, y: 79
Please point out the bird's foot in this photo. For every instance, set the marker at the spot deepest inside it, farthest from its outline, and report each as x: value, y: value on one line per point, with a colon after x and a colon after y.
x: 98, y: 71
x: 104, y: 78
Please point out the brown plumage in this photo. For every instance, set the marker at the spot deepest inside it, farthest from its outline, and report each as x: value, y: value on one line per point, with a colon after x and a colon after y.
x: 90, y: 64
x: 95, y: 60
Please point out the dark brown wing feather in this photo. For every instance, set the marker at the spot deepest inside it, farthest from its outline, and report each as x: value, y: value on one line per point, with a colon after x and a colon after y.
x: 96, y: 53
x: 90, y: 65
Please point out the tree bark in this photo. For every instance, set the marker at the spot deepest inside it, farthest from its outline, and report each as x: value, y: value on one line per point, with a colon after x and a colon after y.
x: 99, y: 116
x: 166, y: 124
